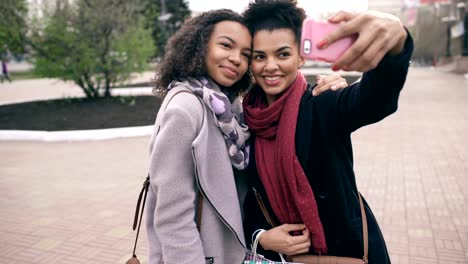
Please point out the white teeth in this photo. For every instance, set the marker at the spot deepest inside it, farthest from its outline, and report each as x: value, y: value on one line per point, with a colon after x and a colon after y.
x: 272, y: 78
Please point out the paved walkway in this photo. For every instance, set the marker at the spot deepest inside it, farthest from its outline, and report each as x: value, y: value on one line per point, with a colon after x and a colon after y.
x: 73, y: 202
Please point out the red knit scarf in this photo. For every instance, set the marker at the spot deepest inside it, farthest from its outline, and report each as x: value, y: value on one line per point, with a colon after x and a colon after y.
x: 285, y: 182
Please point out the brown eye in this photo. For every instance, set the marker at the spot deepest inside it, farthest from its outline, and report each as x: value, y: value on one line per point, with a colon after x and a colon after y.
x: 259, y: 57
x: 225, y: 44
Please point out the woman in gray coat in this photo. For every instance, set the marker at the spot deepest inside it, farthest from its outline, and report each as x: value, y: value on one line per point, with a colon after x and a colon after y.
x: 199, y: 137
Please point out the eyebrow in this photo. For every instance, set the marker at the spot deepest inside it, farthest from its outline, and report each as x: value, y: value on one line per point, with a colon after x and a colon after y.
x: 226, y: 37
x: 276, y: 51
x: 234, y: 42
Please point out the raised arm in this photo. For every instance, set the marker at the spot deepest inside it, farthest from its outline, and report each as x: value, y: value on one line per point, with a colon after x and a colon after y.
x: 376, y: 95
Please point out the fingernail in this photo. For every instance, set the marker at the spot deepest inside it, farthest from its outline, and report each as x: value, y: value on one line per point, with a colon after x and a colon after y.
x: 333, y: 87
x: 314, y: 92
x: 335, y: 68
x: 322, y: 43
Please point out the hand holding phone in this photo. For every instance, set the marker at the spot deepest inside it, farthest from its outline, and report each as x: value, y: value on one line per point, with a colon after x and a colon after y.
x: 314, y: 31
x: 378, y: 34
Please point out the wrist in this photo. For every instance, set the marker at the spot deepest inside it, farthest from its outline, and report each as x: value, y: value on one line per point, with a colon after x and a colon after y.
x: 398, y: 48
x: 261, y: 240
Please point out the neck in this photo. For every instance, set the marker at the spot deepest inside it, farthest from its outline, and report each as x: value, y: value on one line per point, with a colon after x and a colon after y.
x: 271, y: 98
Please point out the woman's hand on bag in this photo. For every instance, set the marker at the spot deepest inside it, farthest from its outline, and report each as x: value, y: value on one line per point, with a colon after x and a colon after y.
x: 332, y: 82
x: 279, y: 240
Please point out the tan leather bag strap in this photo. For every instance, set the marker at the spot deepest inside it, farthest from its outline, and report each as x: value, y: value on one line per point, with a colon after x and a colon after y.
x: 365, y: 235
x: 263, y: 208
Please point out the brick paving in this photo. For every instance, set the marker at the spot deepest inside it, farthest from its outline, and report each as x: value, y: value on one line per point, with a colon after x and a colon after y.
x: 73, y: 202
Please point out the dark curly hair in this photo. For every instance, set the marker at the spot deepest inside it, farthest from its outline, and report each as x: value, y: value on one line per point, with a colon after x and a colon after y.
x: 275, y: 14
x: 186, y: 52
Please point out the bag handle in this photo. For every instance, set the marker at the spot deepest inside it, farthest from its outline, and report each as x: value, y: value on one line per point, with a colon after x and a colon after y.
x: 365, y: 234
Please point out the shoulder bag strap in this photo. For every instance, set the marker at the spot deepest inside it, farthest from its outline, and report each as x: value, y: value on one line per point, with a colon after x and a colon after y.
x: 365, y: 235
x: 135, y: 220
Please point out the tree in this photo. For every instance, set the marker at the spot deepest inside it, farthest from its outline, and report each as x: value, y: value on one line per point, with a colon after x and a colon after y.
x: 13, y: 26
x: 94, y: 43
x: 176, y: 11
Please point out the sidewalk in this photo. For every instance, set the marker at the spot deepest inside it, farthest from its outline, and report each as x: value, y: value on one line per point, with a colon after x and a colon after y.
x: 74, y: 202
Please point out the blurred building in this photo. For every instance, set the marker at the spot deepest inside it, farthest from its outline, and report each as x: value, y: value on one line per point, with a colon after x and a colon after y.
x: 439, y: 28
x: 389, y: 6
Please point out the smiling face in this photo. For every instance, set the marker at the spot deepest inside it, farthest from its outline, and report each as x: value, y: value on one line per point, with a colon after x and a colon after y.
x: 228, y: 54
x: 275, y: 61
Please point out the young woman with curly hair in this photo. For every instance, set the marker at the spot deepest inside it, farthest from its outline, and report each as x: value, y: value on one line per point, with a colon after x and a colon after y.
x: 199, y: 137
x: 301, y: 163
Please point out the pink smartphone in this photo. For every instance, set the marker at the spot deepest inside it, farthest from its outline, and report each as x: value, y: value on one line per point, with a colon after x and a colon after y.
x: 312, y: 32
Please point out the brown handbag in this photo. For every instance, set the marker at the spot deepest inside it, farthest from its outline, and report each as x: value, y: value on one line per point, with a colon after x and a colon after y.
x: 320, y: 259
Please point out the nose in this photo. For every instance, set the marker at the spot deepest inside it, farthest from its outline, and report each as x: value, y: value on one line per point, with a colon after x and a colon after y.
x: 271, y: 65
x: 235, y: 58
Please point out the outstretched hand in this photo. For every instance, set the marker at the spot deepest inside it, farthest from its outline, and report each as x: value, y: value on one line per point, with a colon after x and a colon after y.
x: 379, y: 34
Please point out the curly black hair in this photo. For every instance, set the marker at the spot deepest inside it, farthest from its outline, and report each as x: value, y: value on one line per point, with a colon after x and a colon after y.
x: 186, y: 51
x: 275, y: 14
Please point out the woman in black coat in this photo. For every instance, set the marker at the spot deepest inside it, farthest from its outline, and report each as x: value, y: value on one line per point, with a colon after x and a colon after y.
x: 301, y: 158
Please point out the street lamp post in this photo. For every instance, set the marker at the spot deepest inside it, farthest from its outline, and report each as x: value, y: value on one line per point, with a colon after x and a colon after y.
x: 449, y: 20
x: 463, y: 9
x: 163, y: 18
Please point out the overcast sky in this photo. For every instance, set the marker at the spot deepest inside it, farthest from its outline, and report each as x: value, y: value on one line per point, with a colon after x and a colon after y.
x: 312, y: 7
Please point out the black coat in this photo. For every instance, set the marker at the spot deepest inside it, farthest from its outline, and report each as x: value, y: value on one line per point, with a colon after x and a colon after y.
x: 323, y: 147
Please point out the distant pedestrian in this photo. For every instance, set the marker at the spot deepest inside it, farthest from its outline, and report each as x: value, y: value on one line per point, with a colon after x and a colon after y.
x: 5, y: 74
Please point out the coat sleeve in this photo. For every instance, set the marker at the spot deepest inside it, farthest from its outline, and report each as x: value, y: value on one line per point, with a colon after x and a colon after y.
x: 375, y: 96
x: 173, y: 181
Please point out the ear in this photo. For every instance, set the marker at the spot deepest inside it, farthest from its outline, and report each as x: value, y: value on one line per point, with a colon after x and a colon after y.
x: 301, y: 62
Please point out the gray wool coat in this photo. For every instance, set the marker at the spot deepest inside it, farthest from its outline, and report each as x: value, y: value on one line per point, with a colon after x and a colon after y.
x: 188, y: 154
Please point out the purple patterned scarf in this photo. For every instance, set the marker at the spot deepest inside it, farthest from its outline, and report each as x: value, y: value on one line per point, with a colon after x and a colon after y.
x: 227, y: 116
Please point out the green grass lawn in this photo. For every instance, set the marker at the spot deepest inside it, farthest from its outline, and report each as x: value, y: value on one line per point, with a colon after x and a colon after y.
x: 24, y: 75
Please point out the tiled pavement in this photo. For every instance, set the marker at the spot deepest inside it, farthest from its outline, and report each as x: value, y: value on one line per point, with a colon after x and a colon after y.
x: 73, y: 202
